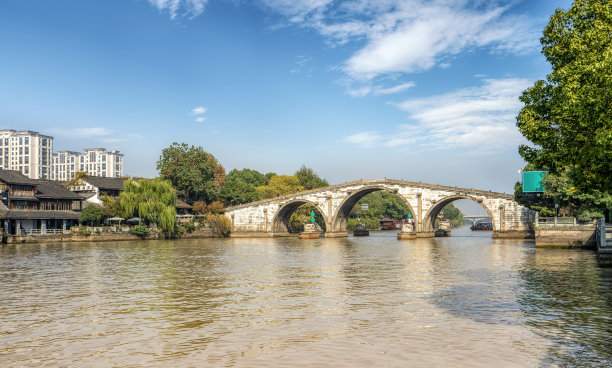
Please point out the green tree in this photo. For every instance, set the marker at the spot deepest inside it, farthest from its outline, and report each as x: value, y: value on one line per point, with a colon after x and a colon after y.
x: 301, y: 216
x: 280, y: 185
x: 253, y: 177
x: 309, y: 179
x: 567, y: 117
x: 153, y: 200
x: 235, y: 192
x: 194, y: 173
x: 92, y: 215
x: 453, y: 214
x: 383, y: 204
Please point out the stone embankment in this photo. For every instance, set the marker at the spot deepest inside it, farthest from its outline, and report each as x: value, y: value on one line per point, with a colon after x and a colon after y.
x: 102, y: 237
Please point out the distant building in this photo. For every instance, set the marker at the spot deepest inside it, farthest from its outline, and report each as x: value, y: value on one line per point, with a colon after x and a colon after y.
x: 26, y: 151
x: 93, y: 188
x: 35, y: 206
x: 94, y: 162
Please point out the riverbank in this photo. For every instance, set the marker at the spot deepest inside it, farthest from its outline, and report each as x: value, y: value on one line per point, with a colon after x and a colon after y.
x: 104, y: 237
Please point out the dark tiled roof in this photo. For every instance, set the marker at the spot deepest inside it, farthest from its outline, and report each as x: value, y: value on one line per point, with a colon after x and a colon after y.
x: 22, y: 198
x: 49, y: 189
x: 15, y: 177
x: 41, y: 215
x: 105, y: 183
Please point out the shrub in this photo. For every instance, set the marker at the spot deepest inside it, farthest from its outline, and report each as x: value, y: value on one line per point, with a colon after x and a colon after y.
x: 215, y: 207
x: 180, y: 231
x: 199, y: 207
x: 140, y: 231
x: 220, y: 224
x: 189, y: 227
x: 84, y: 230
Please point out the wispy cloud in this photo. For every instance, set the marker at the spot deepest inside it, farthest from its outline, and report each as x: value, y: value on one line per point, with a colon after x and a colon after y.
x: 301, y: 65
x: 93, y: 132
x: 101, y: 134
x: 180, y: 8
x: 364, y: 139
x: 475, y: 118
x: 198, y: 112
x: 378, y: 90
x: 407, y: 36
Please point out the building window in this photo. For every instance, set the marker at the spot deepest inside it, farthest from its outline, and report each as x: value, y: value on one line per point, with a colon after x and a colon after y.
x: 26, y: 140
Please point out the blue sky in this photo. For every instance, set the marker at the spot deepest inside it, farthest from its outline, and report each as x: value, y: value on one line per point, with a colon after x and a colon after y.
x: 415, y: 90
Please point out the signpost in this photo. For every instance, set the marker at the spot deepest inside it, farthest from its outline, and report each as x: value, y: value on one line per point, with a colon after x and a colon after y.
x: 312, y: 216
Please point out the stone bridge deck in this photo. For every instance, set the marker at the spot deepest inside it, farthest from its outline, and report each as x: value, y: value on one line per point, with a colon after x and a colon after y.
x: 270, y: 217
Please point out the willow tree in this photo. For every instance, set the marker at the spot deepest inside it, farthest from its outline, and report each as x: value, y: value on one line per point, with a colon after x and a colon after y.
x: 153, y: 200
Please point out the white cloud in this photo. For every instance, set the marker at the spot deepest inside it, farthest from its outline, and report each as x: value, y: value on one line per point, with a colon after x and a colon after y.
x: 364, y: 139
x: 199, y: 110
x: 408, y: 36
x: 378, y: 90
x: 200, y: 119
x: 93, y: 132
x: 476, y: 118
x: 188, y: 8
x: 444, y: 65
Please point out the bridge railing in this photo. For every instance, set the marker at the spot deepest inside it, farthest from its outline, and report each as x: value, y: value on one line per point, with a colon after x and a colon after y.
x: 548, y: 222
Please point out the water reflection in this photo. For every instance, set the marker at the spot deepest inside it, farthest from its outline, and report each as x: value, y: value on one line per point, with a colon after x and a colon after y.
x: 460, y: 301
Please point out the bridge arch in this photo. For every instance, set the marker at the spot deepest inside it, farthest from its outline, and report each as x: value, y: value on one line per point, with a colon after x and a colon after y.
x: 341, y: 216
x: 280, y: 222
x: 434, y: 211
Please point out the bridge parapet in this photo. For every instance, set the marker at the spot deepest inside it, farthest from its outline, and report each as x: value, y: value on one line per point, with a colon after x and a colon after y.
x: 335, y: 202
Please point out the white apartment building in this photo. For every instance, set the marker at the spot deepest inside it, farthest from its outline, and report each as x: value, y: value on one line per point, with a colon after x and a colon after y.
x: 95, y: 162
x: 27, y: 152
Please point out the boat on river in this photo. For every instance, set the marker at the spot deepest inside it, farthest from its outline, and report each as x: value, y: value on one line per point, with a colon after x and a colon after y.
x: 482, y: 226
x: 360, y: 230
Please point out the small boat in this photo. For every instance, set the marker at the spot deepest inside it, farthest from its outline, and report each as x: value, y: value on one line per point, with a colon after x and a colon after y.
x: 440, y: 233
x: 482, y: 226
x: 309, y: 235
x: 406, y: 236
x: 310, y: 232
x: 360, y: 230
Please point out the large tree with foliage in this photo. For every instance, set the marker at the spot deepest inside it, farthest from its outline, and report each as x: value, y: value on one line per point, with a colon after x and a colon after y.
x: 310, y: 179
x: 235, y: 192
x: 383, y: 204
x: 153, y: 200
x: 453, y: 214
x: 280, y: 185
x: 249, y: 176
x: 568, y: 116
x: 194, y: 173
x: 91, y: 214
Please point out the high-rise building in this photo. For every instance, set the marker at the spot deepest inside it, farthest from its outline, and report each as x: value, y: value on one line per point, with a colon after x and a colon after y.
x: 27, y: 152
x: 95, y: 162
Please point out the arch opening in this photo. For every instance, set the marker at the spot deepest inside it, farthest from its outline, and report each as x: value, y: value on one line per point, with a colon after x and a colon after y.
x: 434, y: 218
x: 347, y: 212
x: 292, y: 216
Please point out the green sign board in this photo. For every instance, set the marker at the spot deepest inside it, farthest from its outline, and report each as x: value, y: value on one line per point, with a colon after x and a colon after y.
x: 312, y: 216
x: 532, y: 181
x: 410, y: 215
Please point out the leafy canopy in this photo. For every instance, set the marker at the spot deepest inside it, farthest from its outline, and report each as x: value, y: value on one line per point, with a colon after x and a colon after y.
x: 280, y: 185
x: 91, y: 214
x: 194, y: 173
x: 309, y: 179
x: 567, y: 117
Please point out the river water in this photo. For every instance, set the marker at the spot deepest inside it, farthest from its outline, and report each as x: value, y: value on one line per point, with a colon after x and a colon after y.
x: 462, y: 301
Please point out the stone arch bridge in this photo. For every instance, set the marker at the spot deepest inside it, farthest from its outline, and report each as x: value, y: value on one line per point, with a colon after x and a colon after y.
x: 270, y: 217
